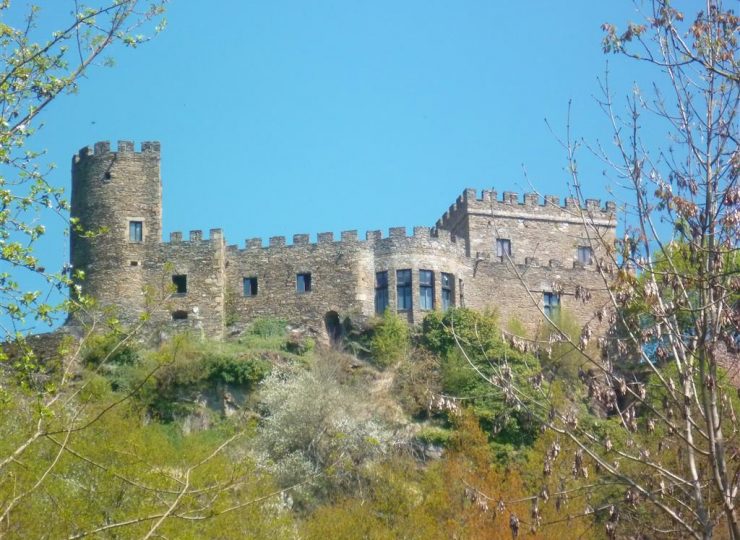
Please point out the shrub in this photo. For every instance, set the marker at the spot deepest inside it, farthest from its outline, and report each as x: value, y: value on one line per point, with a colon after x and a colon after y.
x: 390, y: 339
x: 233, y: 370
x: 268, y: 327
x: 108, y: 349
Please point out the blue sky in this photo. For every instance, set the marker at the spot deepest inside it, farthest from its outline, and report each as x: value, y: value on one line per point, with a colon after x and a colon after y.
x: 283, y: 117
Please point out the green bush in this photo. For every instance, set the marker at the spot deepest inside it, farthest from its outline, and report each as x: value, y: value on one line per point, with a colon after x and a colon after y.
x: 109, y: 349
x: 268, y: 327
x: 228, y: 369
x: 435, y: 435
x: 390, y: 339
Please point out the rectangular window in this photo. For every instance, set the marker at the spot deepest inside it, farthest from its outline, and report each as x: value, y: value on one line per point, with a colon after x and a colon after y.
x: 250, y: 286
x: 551, y: 304
x: 448, y: 291
x: 136, y: 231
x: 180, y: 282
x: 303, y: 282
x: 426, y: 289
x: 585, y: 254
x: 403, y: 290
x: 503, y: 247
x: 381, y: 292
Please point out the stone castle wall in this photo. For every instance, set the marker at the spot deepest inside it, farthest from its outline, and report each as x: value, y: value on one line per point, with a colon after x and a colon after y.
x: 112, y: 189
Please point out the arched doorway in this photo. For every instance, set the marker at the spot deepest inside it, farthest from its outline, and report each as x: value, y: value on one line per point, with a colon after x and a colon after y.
x: 333, y: 327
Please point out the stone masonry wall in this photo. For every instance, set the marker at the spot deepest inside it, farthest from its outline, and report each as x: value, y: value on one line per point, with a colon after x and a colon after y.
x: 110, y: 189
x: 342, y: 273
x: 544, y: 231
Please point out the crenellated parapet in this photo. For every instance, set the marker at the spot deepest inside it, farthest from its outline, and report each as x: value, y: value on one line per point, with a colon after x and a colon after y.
x: 351, y: 239
x: 469, y: 258
x: 531, y: 206
x: 103, y: 148
x: 194, y: 236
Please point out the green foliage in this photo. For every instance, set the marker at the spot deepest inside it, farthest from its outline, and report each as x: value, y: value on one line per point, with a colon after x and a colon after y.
x: 268, y: 327
x: 472, y: 354
x: 441, y: 332
x: 564, y: 360
x: 390, y: 339
x: 109, y: 349
x: 118, y: 470
x: 35, y: 70
x: 243, y: 371
x: 434, y: 435
x: 417, y: 381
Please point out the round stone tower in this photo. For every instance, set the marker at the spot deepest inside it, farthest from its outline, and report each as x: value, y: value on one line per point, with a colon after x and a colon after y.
x: 117, y: 202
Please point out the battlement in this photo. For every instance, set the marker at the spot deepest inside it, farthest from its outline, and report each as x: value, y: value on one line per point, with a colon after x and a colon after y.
x: 196, y: 236
x: 532, y: 206
x: 468, y: 255
x: 102, y: 148
x: 349, y: 238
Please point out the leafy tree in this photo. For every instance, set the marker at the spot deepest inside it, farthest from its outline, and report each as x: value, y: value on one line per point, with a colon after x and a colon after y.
x: 34, y: 71
x: 474, y: 357
x: 669, y: 443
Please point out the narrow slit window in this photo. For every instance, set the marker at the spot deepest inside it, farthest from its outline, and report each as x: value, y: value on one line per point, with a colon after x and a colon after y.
x: 180, y: 282
x: 250, y: 286
x: 426, y: 289
x: 448, y: 291
x: 585, y: 254
x: 303, y: 283
x: 381, y: 292
x: 403, y: 290
x: 503, y: 247
x: 551, y: 304
x: 136, y: 231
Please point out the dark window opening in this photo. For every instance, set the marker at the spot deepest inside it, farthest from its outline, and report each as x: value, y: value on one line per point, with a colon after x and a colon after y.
x: 136, y: 231
x: 250, y: 286
x: 134, y: 263
x: 448, y: 291
x: 303, y: 282
x: 403, y: 290
x: 180, y: 282
x: 551, y: 304
x: 503, y: 247
x: 585, y: 254
x: 381, y: 292
x: 426, y: 289
x: 179, y: 315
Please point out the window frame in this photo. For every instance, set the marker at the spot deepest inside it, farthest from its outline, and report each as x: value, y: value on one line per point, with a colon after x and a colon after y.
x: 503, y: 247
x: 448, y: 290
x: 550, y: 304
x: 404, y: 290
x: 303, y: 282
x: 581, y: 250
x: 253, y: 286
x: 136, y: 231
x: 381, y: 292
x: 426, y: 290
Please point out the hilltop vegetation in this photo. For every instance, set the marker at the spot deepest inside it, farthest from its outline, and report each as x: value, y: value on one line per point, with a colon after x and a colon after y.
x: 268, y: 435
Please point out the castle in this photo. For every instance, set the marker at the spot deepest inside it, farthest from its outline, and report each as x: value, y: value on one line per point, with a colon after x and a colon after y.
x: 521, y: 258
